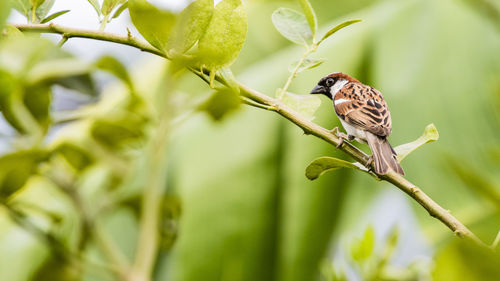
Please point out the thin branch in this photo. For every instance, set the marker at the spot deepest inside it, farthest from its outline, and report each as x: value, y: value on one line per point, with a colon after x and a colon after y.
x: 295, y: 71
x: 308, y: 127
x: 91, y: 34
x: 64, y: 39
x: 104, y: 22
x: 253, y: 103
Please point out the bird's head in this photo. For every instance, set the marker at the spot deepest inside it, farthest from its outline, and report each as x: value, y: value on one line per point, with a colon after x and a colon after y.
x: 332, y: 83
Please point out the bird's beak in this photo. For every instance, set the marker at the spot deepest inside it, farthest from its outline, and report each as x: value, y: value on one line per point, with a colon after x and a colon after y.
x: 318, y: 90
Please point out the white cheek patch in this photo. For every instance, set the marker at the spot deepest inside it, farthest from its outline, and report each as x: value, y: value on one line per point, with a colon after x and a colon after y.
x: 339, y: 101
x: 337, y: 86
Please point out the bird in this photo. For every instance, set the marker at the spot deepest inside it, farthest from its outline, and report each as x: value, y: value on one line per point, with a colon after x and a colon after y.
x: 364, y: 115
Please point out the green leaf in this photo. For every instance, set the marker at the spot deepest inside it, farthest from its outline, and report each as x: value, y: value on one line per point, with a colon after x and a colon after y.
x: 37, y: 99
x: 95, y: 4
x: 337, y: 28
x: 305, y: 105
x: 82, y: 83
x: 5, y: 7
x: 67, y: 72
x: 228, y: 77
x: 20, y: 53
x: 222, y: 41
x: 221, y: 103
x: 430, y: 134
x: 36, y: 3
x: 119, y: 132
x: 109, y: 5
x: 51, y: 70
x: 120, y: 10
x: 362, y: 249
x: 391, y: 243
x: 153, y: 24
x: 26, y: 108
x: 115, y: 67
x: 43, y: 10
x: 324, y: 164
x: 308, y: 63
x: 53, y: 16
x: 10, y: 31
x: 22, y: 6
x: 310, y: 16
x: 293, y: 26
x: 191, y: 24
x: 76, y: 156
x: 8, y: 85
x: 16, y: 168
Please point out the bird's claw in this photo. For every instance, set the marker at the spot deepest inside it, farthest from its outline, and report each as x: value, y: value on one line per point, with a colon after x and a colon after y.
x: 341, y: 142
x: 335, y: 130
x: 342, y: 136
x: 369, y: 163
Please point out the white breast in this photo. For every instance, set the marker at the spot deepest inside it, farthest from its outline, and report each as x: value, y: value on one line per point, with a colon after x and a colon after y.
x: 353, y: 131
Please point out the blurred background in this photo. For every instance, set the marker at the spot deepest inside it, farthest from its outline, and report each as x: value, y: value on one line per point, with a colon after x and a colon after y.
x: 236, y: 203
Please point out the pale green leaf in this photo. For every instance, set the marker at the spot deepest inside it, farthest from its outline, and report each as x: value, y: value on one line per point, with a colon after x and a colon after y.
x: 305, y: 105
x: 22, y: 6
x: 228, y: 77
x: 95, y: 4
x: 324, y: 164
x: 430, y: 134
x: 308, y: 63
x: 154, y: 25
x: 76, y: 156
x: 120, y: 10
x: 391, y: 243
x: 36, y: 3
x: 11, y: 31
x: 293, y: 26
x: 119, y: 132
x: 337, y: 28
x: 224, y: 37
x: 191, y: 24
x: 82, y: 83
x: 221, y: 103
x: 115, y: 67
x: 109, y: 5
x: 16, y: 168
x: 362, y: 249
x: 26, y: 7
x: 53, y: 16
x: 43, y: 9
x: 310, y: 16
x: 5, y: 7
x: 57, y: 68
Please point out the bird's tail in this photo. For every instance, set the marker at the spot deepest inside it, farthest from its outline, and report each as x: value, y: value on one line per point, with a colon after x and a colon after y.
x: 384, y: 157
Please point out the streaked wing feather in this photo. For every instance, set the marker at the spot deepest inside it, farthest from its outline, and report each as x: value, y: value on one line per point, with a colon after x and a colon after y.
x: 365, y: 109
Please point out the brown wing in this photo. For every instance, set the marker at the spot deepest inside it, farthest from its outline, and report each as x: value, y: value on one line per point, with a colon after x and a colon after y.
x: 363, y: 107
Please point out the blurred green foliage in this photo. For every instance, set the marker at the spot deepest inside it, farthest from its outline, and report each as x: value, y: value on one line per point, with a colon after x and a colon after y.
x: 78, y: 188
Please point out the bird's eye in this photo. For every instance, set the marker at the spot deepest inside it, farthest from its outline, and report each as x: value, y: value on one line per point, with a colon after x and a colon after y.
x: 329, y: 82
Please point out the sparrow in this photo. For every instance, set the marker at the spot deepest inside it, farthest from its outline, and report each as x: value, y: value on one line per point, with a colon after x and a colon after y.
x: 364, y: 115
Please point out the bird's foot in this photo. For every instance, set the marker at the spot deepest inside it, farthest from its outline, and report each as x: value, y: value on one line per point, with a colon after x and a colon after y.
x: 369, y: 163
x: 335, y: 130
x: 342, y: 136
